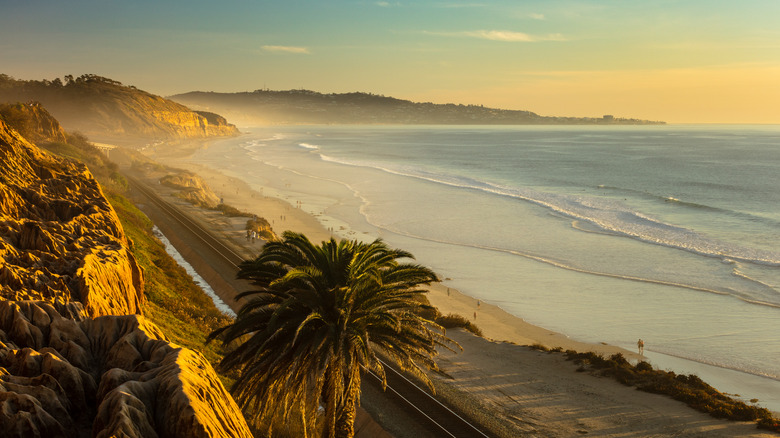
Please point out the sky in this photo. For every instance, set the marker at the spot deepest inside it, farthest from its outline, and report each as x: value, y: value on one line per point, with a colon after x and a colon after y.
x: 689, y: 61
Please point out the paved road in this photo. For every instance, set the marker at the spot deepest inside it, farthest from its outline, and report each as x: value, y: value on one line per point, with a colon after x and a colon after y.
x: 404, y: 408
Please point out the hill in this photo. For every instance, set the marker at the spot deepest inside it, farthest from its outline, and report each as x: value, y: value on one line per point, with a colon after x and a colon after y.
x: 106, y: 110
x: 309, y: 107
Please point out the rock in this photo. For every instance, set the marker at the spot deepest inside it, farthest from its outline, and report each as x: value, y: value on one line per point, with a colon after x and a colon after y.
x: 77, y: 358
x: 147, y: 386
x: 61, y: 239
x: 192, y: 188
x: 33, y: 122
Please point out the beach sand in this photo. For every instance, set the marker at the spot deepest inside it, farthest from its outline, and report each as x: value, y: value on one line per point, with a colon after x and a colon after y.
x: 539, y: 394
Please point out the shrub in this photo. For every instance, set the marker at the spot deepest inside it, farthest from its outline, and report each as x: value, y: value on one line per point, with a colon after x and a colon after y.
x: 230, y: 211
x: 458, y: 321
x: 689, y: 389
x: 644, y: 366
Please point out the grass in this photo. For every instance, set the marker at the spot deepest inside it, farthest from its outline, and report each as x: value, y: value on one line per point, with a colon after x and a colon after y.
x: 173, y: 301
x: 689, y: 389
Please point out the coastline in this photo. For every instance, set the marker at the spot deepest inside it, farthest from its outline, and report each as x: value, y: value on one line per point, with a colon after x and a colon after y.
x: 495, y: 323
x: 501, y: 330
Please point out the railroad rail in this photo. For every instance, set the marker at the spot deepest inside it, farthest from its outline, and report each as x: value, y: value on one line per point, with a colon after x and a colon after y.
x: 441, y: 420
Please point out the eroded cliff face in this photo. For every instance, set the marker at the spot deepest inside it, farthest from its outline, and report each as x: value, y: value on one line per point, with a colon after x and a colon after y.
x: 77, y: 358
x: 65, y: 375
x: 60, y: 239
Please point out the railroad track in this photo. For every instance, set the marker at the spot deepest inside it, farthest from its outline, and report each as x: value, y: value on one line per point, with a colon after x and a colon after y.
x: 206, y: 237
x: 436, y: 417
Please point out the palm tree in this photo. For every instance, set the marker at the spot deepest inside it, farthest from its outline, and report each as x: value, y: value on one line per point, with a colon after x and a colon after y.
x: 318, y: 316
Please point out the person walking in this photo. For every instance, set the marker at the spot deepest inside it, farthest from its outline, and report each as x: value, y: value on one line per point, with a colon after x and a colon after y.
x: 641, y: 346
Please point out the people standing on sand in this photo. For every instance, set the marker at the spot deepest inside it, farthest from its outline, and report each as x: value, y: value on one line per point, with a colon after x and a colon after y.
x: 641, y: 345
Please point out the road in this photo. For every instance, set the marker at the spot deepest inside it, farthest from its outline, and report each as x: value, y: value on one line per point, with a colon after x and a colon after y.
x: 410, y: 410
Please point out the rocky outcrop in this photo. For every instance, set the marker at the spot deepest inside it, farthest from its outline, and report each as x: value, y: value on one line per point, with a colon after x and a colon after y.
x: 65, y: 375
x: 60, y: 239
x: 77, y: 358
x: 33, y: 122
x: 192, y: 188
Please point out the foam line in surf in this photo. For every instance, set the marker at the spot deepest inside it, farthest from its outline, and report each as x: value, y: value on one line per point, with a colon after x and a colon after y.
x: 610, y: 215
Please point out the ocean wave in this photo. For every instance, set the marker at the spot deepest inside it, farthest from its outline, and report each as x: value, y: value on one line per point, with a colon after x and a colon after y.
x: 769, y: 297
x: 610, y: 215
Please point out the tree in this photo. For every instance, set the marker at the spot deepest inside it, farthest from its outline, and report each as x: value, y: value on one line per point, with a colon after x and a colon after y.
x: 319, y: 314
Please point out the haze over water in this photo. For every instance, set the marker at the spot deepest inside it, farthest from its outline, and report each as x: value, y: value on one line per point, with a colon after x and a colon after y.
x: 606, y: 234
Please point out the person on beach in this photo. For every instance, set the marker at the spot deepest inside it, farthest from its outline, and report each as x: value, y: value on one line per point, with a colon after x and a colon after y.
x: 641, y: 345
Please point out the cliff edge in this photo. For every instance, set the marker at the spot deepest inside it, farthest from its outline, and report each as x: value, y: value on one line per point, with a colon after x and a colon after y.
x: 77, y: 358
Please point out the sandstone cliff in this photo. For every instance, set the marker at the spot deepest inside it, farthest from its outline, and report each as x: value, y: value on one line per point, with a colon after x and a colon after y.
x: 76, y: 357
x: 105, y: 109
x: 65, y: 375
x: 60, y: 239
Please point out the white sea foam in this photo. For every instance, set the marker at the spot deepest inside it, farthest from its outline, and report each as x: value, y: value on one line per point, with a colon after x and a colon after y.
x: 610, y: 215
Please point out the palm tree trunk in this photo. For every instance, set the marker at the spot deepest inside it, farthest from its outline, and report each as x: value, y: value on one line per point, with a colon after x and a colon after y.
x: 345, y: 423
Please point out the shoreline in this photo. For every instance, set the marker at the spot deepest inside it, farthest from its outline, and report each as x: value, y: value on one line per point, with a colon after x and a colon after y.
x: 500, y: 329
x: 496, y: 324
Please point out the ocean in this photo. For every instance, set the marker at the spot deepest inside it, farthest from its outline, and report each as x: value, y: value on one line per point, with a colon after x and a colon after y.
x: 603, y: 233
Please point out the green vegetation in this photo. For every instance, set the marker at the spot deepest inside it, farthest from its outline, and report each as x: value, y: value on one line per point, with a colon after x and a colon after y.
x: 230, y: 211
x: 321, y: 313
x: 173, y: 301
x: 262, y: 227
x: 452, y: 320
x: 688, y: 389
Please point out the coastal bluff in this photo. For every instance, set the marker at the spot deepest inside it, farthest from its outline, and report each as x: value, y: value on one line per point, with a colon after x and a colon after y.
x: 107, y: 110
x: 77, y: 357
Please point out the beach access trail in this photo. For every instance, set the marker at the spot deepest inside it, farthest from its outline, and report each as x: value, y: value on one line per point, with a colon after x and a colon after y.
x: 534, y: 393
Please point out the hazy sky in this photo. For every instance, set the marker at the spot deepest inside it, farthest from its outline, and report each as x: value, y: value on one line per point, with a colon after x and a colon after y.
x: 679, y: 61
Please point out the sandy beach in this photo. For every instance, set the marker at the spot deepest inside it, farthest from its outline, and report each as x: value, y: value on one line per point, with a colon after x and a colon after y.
x: 539, y: 394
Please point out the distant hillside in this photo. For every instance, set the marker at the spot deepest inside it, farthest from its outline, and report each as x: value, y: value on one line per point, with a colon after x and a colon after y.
x: 104, y: 109
x: 309, y: 107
